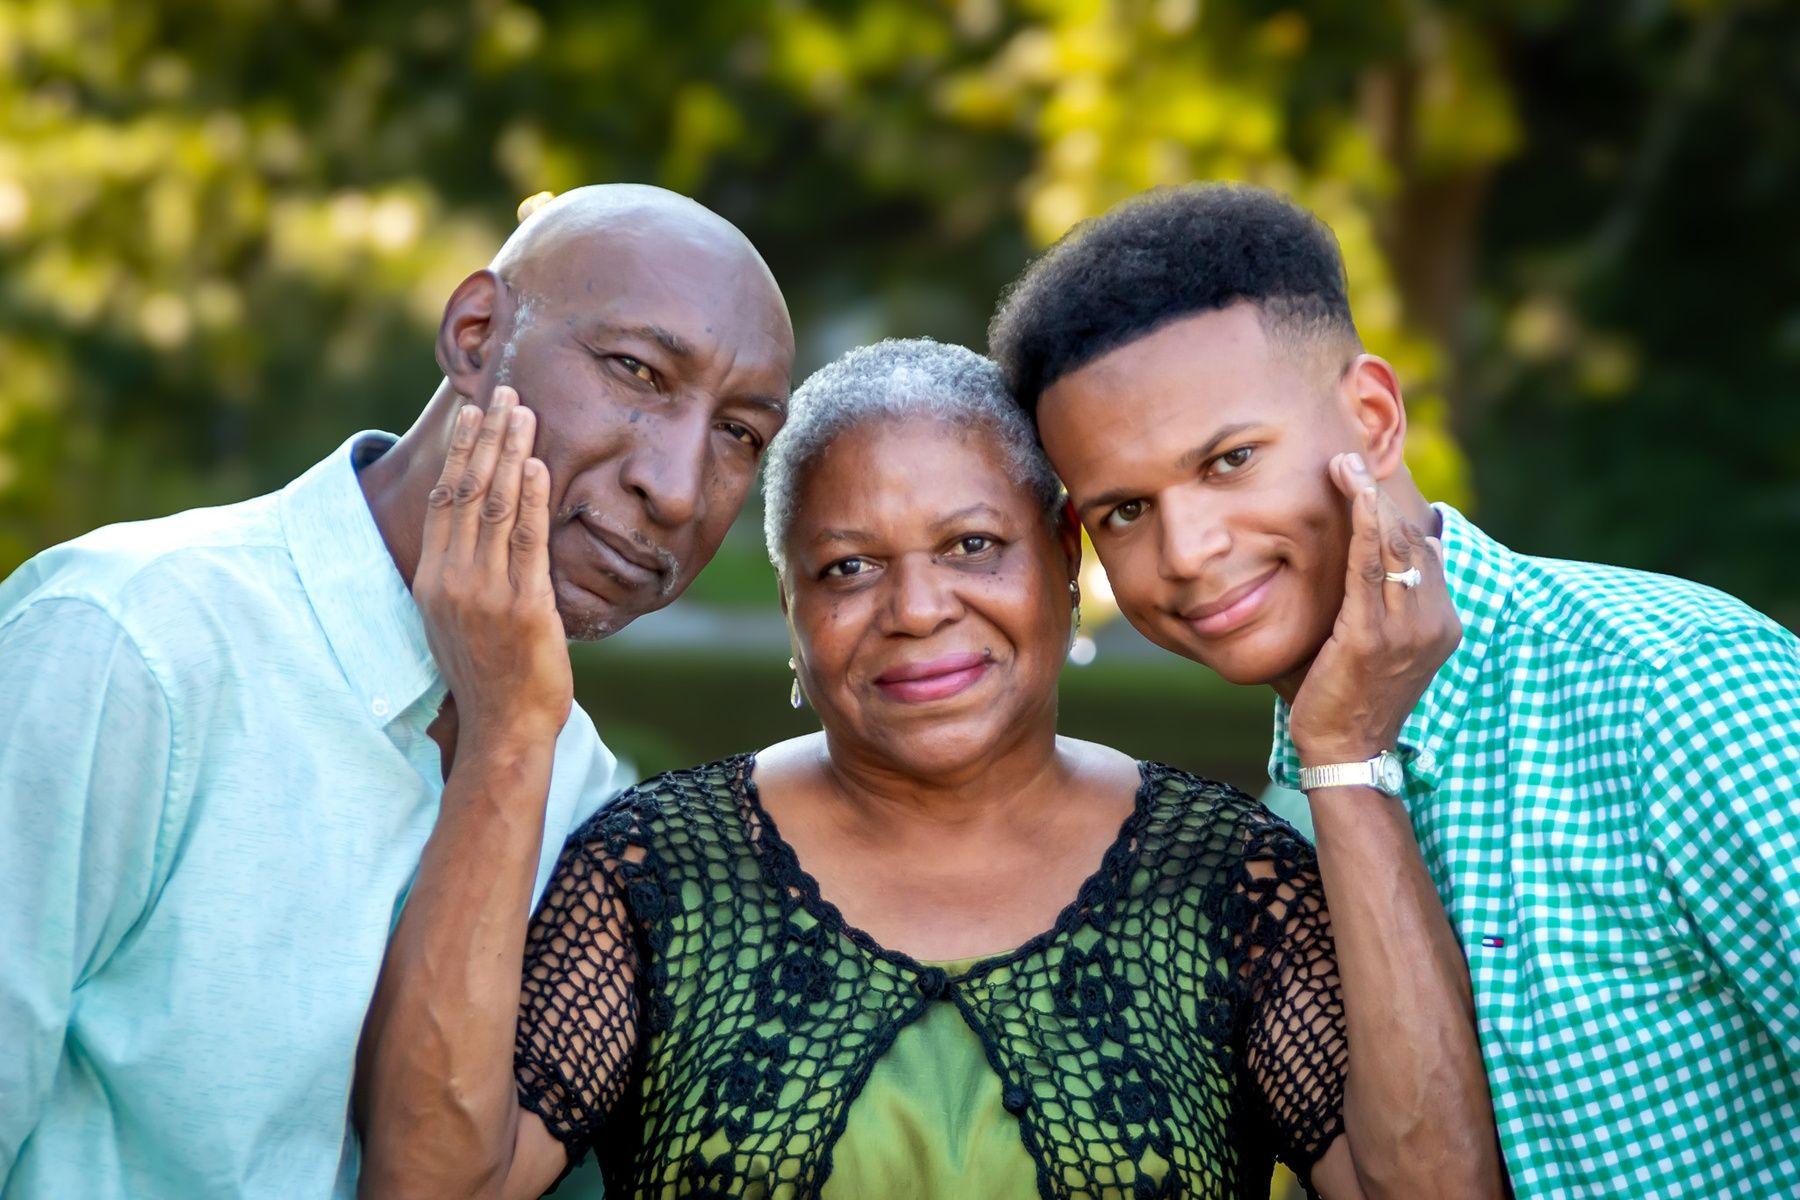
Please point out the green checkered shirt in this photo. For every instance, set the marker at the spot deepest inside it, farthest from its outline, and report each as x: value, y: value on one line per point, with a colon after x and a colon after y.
x: 1605, y: 784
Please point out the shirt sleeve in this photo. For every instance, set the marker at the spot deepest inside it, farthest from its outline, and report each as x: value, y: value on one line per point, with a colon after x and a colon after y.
x: 1720, y: 796
x: 582, y: 779
x: 85, y: 751
x: 1296, y: 1052
x: 579, y: 1014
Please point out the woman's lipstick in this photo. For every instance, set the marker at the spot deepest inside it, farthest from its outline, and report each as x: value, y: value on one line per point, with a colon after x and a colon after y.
x: 933, y: 679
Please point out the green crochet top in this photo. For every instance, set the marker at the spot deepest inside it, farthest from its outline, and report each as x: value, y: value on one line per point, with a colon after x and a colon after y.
x: 699, y: 1015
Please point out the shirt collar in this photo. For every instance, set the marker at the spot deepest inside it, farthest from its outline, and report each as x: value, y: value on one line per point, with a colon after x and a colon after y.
x: 357, y: 594
x: 1479, y: 573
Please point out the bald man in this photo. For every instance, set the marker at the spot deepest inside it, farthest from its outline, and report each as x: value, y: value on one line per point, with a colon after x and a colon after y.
x: 216, y: 767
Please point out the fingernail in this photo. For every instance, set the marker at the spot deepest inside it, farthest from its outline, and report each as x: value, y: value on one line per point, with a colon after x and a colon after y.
x: 1356, y: 464
x: 467, y: 415
x: 515, y: 420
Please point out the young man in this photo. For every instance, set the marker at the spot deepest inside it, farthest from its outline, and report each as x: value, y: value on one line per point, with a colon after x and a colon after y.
x: 216, y: 775
x: 1601, y: 778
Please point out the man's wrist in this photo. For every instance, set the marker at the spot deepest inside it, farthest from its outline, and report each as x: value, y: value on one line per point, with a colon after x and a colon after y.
x: 1382, y: 771
x: 505, y: 746
x: 504, y: 780
x: 1330, y: 754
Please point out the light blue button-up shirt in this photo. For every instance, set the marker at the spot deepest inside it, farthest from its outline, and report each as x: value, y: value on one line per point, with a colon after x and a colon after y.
x: 215, y: 785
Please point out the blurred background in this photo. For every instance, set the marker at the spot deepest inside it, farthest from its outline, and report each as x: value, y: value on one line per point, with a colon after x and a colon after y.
x: 228, y: 227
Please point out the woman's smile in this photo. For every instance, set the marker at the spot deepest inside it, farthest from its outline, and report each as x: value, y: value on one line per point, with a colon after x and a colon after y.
x: 934, y: 678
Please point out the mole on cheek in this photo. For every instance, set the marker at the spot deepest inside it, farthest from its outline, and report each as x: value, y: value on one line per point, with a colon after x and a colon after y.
x: 635, y: 414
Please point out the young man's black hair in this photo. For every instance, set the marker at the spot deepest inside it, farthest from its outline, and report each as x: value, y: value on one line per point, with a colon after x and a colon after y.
x: 1167, y: 254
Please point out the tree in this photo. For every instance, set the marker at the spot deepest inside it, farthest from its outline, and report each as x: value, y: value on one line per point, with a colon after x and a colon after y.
x: 227, y: 226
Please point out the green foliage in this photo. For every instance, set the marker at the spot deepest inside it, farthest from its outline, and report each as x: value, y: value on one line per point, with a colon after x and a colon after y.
x: 227, y: 227
x: 1636, y: 389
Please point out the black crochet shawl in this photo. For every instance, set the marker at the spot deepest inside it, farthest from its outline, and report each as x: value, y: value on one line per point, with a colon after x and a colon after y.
x: 698, y: 1013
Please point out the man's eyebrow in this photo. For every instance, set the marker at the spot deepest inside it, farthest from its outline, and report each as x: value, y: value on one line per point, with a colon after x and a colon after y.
x: 674, y: 343
x: 770, y: 404
x: 1201, y: 453
x: 1186, y: 462
x: 838, y: 535
x: 680, y: 348
x: 1107, y: 499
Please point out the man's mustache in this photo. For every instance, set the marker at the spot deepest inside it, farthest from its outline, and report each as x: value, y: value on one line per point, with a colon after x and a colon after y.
x: 666, y: 563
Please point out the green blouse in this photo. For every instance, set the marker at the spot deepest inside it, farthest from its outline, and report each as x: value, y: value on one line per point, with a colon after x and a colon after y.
x: 699, y: 1015
x: 929, y: 1122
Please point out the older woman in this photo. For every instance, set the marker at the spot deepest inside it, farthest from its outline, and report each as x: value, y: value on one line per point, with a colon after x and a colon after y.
x: 933, y: 950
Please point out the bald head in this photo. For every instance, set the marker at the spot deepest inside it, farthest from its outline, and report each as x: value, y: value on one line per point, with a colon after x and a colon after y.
x: 630, y: 213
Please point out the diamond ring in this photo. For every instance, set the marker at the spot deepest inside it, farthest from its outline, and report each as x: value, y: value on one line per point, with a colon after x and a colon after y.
x: 1409, y: 578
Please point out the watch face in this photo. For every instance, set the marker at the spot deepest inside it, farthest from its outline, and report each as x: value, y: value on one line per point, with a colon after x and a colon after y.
x: 1389, y: 776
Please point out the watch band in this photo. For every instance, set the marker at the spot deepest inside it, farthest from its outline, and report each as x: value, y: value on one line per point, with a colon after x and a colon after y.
x: 1356, y: 774
x: 1383, y: 773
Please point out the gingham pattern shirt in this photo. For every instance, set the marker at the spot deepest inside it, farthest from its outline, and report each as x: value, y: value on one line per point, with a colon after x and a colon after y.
x: 1605, y: 784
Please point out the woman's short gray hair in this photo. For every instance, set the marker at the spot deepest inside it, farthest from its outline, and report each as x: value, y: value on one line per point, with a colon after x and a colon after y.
x: 896, y: 380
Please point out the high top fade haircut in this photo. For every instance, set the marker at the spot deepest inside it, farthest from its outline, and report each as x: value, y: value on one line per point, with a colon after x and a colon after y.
x: 1167, y: 254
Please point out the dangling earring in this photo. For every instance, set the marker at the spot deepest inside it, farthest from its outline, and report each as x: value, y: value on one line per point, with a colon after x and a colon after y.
x: 1081, y: 646
x: 795, y: 699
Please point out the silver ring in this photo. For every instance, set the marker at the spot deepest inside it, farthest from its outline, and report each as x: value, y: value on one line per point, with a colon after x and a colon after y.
x: 1408, y: 579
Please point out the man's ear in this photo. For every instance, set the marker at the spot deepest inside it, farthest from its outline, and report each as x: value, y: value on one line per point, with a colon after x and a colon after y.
x: 467, y: 341
x: 1372, y: 390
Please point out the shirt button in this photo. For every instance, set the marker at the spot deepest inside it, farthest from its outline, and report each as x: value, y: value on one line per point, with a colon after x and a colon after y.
x: 932, y: 983
x: 379, y: 706
x: 1013, y: 1100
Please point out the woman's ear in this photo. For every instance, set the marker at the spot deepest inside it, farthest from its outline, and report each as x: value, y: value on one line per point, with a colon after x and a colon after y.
x: 1068, y: 532
x: 1372, y: 390
x: 466, y: 351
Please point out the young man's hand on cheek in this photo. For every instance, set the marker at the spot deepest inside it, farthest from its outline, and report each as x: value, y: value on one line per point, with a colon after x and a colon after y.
x: 1389, y: 640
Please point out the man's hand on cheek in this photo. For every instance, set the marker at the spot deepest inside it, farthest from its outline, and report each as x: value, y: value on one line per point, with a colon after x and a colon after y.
x: 483, y: 584
x: 1389, y: 639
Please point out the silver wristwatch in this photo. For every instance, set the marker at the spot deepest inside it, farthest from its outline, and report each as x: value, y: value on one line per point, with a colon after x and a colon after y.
x: 1383, y: 773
